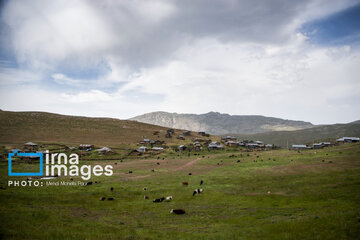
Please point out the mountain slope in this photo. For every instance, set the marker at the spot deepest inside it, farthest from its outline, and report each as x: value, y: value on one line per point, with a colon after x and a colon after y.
x: 218, y: 124
x: 20, y: 127
x: 307, y: 136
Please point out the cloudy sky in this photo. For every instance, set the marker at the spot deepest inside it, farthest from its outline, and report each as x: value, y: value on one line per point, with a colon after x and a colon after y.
x: 291, y: 59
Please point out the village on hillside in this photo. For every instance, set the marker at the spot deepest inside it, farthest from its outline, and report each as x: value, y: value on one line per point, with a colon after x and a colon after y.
x: 198, y: 141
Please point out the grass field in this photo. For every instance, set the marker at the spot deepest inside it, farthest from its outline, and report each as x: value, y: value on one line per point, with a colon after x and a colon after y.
x: 277, y: 194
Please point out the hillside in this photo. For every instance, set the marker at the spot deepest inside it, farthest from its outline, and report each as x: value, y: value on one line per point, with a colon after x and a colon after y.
x: 218, y: 124
x: 20, y: 127
x: 326, y: 132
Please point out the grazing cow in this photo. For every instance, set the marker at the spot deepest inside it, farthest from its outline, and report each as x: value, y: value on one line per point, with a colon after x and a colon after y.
x: 145, y: 188
x: 102, y: 198
x: 157, y: 200
x: 71, y: 179
x: 169, y: 198
x: 130, y: 171
x: 158, y: 163
x: 177, y: 211
x: 238, y: 161
x: 190, y: 173
x: 197, y: 191
x: 146, y: 197
x: 185, y: 183
x: 112, y: 189
x: 201, y: 182
x: 88, y: 183
x: 111, y: 199
x: 153, y: 170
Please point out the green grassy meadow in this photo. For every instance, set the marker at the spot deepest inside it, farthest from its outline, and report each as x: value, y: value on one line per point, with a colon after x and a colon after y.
x: 278, y: 194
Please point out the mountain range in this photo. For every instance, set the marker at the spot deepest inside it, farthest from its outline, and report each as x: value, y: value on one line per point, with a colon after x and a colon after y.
x: 220, y: 124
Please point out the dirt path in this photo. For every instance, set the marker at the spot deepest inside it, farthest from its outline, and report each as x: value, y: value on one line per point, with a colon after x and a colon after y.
x: 189, y: 164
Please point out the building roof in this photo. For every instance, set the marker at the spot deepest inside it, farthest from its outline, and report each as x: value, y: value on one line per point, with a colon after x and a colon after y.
x: 30, y: 144
x: 158, y: 148
x: 348, y: 138
x: 104, y: 149
x: 86, y: 145
x: 299, y: 146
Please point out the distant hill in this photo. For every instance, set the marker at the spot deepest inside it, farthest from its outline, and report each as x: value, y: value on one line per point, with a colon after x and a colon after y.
x: 21, y: 127
x: 307, y: 136
x: 218, y: 124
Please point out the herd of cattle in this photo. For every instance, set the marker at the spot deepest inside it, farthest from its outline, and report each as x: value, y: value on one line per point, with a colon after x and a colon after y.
x: 161, y: 199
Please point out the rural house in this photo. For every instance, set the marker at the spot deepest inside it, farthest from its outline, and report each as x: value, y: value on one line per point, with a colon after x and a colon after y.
x: 347, y: 139
x: 87, y: 147
x: 228, y: 138
x: 142, y: 149
x: 182, y: 148
x: 181, y: 137
x: 204, y: 134
x: 104, y: 150
x: 252, y: 145
x: 187, y: 133
x: 215, y: 145
x: 31, y: 147
x: 232, y: 144
x: 157, y: 149
x: 317, y: 146
x: 299, y: 146
x: 145, y: 141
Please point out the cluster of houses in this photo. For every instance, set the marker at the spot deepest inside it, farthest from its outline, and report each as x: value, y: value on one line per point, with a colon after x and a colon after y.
x: 149, y: 146
x: 229, y: 141
x: 321, y: 145
x: 157, y: 146
x: 233, y: 142
x: 313, y: 146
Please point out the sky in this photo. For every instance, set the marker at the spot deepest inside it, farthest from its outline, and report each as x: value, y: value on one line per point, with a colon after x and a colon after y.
x: 296, y: 60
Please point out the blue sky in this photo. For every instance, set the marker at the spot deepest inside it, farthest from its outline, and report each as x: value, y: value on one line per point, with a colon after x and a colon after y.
x: 290, y: 59
x: 339, y: 28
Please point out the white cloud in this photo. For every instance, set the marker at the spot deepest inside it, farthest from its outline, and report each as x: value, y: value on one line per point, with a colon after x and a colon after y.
x: 12, y: 76
x: 186, y: 56
x: 46, y: 33
x: 89, y: 97
x: 292, y: 81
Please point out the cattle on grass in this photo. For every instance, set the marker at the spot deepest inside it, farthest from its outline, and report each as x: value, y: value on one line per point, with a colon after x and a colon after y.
x: 158, y: 200
x: 177, y: 211
x: 197, y: 191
